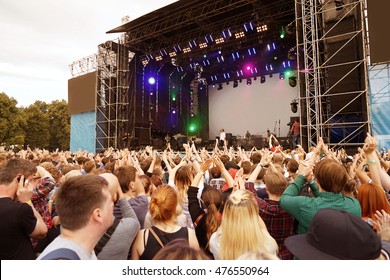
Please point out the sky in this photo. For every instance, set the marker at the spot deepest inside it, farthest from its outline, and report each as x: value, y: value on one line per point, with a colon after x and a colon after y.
x: 39, y: 40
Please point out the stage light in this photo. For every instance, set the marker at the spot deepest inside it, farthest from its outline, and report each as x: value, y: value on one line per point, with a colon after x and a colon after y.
x: 163, y: 53
x: 282, y: 32
x: 292, y: 55
x: 262, y: 79
x: 294, y: 106
x: 281, y: 76
x: 151, y: 80
x: 262, y: 28
x: 203, y: 45
x: 292, y: 81
x: 239, y: 35
x: 177, y: 48
x: 219, y: 40
x: 249, y: 81
x: 219, y: 87
x: 248, y: 27
x: 192, y: 128
x: 235, y: 83
x: 209, y: 39
x: 192, y: 44
x: 220, y: 58
x: 227, y: 33
x: 174, y: 112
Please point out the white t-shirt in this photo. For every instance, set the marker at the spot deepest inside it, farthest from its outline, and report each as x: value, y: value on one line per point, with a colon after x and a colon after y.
x: 222, y: 136
x: 61, y: 242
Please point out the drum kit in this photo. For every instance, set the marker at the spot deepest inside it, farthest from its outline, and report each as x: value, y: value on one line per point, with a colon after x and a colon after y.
x: 255, y: 140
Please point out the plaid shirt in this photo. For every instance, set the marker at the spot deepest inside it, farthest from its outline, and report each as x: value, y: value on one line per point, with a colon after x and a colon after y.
x: 217, y: 183
x: 280, y: 224
x: 40, y: 201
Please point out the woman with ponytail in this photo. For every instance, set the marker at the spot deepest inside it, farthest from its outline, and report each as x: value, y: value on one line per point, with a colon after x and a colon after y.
x: 163, y: 210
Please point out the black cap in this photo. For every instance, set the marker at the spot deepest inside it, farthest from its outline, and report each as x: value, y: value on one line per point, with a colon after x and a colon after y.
x: 335, y: 235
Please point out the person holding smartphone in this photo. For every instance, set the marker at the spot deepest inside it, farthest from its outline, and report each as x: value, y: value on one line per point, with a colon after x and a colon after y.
x: 19, y: 221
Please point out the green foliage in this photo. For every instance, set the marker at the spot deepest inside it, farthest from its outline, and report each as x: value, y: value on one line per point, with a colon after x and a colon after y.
x: 11, y: 122
x: 59, y: 125
x: 39, y: 125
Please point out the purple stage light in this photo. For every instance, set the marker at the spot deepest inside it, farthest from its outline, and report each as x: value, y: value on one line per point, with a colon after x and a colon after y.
x: 151, y: 80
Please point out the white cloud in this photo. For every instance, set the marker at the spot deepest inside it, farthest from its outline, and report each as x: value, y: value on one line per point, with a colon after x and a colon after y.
x: 40, y: 39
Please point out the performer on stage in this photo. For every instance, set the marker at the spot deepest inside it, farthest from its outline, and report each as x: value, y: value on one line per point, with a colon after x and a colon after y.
x: 247, y: 135
x: 167, y: 140
x: 222, y: 137
x: 295, y: 132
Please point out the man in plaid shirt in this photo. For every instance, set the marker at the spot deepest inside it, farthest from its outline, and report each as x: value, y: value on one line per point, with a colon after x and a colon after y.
x: 41, y: 204
x: 279, y: 222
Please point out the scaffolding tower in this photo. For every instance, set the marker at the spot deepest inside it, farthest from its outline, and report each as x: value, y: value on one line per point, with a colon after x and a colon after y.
x: 112, y: 101
x: 332, y: 72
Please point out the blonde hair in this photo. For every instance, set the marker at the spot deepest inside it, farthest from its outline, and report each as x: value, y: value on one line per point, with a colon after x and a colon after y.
x: 183, y: 178
x: 242, y: 228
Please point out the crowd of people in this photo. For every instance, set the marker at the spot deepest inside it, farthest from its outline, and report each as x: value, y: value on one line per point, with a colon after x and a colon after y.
x: 223, y: 204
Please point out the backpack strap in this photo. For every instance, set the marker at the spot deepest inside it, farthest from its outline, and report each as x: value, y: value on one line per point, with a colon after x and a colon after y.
x: 157, y: 238
x: 106, y: 236
x: 61, y: 254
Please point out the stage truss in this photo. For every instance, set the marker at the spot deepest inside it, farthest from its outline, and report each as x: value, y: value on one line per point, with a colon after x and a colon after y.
x: 314, y: 36
x: 112, y: 95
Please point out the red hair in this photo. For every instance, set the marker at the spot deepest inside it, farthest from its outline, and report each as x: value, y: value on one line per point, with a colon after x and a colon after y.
x: 372, y: 198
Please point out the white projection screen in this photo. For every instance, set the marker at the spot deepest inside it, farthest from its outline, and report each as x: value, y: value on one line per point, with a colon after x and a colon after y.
x: 256, y: 107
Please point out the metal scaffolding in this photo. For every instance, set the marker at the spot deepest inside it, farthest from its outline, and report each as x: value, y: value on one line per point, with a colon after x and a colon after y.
x: 83, y: 66
x: 112, y: 99
x: 327, y: 107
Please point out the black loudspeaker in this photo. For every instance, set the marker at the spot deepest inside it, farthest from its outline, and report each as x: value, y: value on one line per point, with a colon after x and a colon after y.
x: 344, y: 53
x: 229, y: 139
x: 285, y: 142
x: 143, y: 136
x: 258, y: 142
x: 158, y: 144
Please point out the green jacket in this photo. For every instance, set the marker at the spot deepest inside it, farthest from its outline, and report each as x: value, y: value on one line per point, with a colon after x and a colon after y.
x: 304, y: 208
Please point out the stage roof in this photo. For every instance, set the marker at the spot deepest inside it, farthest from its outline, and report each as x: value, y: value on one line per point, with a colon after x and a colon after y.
x: 185, y: 20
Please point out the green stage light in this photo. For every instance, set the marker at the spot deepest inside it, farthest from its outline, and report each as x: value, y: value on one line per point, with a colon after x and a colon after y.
x: 192, y: 128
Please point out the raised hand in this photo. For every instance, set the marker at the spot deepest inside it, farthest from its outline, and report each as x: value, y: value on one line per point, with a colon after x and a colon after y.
x: 383, y: 223
x: 25, y: 189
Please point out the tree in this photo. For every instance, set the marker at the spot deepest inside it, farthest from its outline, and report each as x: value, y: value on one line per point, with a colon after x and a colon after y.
x: 37, y: 125
x: 59, y: 119
x: 11, y: 122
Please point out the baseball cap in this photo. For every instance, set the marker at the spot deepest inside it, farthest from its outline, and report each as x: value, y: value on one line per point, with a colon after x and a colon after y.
x: 335, y: 235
